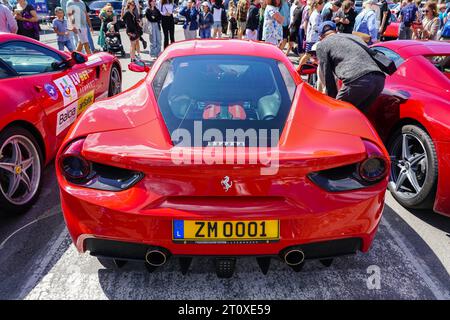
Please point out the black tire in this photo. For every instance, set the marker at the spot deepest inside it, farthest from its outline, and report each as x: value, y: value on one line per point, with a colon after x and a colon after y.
x: 7, y: 207
x: 424, y: 199
x: 111, y: 89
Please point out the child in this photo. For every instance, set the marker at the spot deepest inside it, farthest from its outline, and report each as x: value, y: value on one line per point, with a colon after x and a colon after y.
x: 60, y: 28
x: 206, y: 21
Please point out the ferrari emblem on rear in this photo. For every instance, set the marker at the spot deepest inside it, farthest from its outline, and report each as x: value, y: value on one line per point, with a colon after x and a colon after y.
x: 226, y: 183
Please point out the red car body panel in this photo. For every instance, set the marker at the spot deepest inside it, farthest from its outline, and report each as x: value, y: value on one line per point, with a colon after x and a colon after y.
x: 33, y: 106
x: 428, y: 103
x: 317, y: 136
x: 391, y: 31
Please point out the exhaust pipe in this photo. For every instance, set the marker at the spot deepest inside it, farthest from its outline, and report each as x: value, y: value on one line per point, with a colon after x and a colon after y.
x: 294, y: 257
x: 156, y: 257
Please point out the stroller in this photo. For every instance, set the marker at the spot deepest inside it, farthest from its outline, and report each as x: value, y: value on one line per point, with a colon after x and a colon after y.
x: 113, y: 43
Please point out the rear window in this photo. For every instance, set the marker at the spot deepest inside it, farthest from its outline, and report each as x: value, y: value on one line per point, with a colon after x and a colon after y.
x: 224, y: 92
x: 442, y: 63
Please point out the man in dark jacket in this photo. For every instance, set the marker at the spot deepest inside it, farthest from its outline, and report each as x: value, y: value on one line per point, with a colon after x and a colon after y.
x: 251, y: 29
x: 341, y: 56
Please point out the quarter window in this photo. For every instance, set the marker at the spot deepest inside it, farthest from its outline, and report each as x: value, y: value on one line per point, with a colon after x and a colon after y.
x: 391, y: 55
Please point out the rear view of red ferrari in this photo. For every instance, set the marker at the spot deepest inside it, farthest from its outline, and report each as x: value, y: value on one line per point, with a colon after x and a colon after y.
x: 177, y: 166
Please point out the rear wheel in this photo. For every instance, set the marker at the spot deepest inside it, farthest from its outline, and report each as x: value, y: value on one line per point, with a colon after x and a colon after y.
x: 414, y: 169
x: 115, y: 81
x: 21, y: 164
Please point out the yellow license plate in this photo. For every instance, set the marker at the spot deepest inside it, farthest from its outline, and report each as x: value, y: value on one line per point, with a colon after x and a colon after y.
x: 225, y: 231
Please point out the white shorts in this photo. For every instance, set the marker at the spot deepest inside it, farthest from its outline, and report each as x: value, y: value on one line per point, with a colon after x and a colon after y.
x: 251, y: 35
x: 82, y: 35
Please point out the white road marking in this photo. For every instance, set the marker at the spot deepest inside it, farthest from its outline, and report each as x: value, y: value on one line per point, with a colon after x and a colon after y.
x: 50, y: 213
x: 398, y: 238
x: 40, y: 267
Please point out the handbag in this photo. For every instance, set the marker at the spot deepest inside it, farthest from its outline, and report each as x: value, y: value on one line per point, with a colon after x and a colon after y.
x: 384, y: 63
x: 146, y: 26
x: 364, y: 36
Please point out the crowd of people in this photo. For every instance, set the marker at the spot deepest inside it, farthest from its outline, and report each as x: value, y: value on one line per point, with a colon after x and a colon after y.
x: 291, y: 23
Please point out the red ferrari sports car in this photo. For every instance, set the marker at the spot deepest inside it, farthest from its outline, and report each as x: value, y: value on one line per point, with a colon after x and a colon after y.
x: 391, y: 32
x: 222, y: 151
x: 42, y: 91
x: 412, y: 117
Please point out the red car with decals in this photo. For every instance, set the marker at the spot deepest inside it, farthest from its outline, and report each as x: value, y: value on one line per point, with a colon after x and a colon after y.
x: 222, y: 151
x: 43, y: 91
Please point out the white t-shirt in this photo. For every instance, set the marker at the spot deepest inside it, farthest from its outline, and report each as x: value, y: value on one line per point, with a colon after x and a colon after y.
x: 166, y: 8
x: 217, y: 15
x: 312, y: 34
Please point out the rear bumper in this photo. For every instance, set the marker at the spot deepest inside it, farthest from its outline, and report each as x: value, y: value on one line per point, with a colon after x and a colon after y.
x: 127, y: 219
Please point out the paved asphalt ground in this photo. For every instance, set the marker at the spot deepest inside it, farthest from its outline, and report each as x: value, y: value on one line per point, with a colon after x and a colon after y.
x: 410, y: 257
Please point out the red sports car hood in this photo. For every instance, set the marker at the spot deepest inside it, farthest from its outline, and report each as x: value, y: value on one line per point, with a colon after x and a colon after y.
x: 319, y: 133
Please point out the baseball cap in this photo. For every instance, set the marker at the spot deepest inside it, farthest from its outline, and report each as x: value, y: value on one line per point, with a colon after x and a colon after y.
x: 205, y: 3
x: 326, y: 26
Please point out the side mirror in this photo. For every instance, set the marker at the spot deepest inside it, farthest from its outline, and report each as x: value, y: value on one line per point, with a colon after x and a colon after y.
x: 307, y: 69
x: 138, y: 66
x: 78, y: 57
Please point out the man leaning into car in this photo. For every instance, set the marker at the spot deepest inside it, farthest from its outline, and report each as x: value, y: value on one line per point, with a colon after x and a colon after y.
x: 341, y: 56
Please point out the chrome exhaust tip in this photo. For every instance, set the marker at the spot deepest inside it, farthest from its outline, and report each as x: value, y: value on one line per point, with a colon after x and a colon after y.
x: 294, y: 257
x: 156, y: 257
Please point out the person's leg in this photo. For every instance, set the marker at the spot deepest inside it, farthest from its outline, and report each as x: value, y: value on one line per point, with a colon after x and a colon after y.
x: 138, y: 47
x: 362, y: 91
x: 152, y: 39
x: 61, y: 45
x: 158, y: 42
x: 172, y: 29
x: 87, y: 48
x: 377, y: 81
x: 91, y: 41
x: 165, y: 27
x: 133, y: 49
x: 69, y: 45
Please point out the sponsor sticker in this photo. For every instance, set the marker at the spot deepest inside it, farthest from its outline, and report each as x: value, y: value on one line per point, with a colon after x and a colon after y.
x: 67, y: 88
x: 93, y: 60
x: 51, y: 91
x: 80, y: 77
x: 66, y: 117
x: 85, y: 101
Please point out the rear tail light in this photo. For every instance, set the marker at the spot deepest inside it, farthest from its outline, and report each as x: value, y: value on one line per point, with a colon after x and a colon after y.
x: 80, y: 171
x: 375, y: 167
x: 72, y: 164
x: 371, y: 170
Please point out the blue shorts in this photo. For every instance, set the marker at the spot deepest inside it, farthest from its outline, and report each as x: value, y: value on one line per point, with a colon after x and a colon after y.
x: 308, y: 46
x: 217, y: 25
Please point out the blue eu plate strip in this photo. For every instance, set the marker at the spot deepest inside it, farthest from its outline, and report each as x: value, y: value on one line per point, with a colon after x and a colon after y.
x: 178, y: 229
